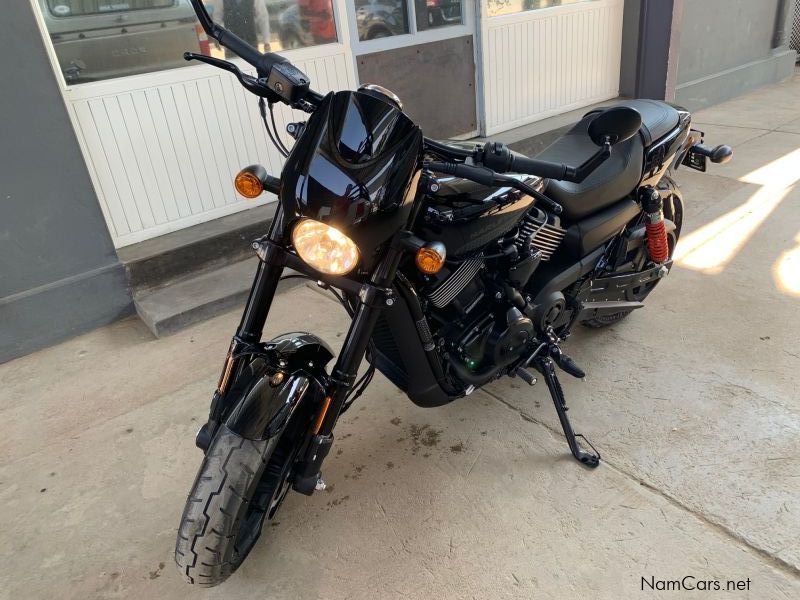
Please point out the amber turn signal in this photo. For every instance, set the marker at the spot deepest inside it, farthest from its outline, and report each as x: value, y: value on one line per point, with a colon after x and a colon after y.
x: 430, y: 258
x: 248, y: 184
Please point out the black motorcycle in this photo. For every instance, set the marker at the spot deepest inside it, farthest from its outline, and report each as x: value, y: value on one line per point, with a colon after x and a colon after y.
x: 453, y: 272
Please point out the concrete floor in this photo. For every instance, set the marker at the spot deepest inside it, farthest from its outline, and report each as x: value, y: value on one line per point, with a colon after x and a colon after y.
x: 692, y: 402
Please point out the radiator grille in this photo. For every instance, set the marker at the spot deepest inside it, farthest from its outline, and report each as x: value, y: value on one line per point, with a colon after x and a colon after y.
x: 388, y: 358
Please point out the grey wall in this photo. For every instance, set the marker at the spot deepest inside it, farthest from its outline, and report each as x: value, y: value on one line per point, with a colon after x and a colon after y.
x: 435, y: 81
x: 727, y: 49
x: 630, y: 47
x: 723, y: 34
x: 59, y: 273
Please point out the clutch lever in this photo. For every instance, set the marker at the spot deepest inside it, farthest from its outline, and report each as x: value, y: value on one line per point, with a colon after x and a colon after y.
x: 250, y: 83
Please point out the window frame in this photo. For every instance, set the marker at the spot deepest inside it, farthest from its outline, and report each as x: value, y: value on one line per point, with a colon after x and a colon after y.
x: 49, y: 3
x: 143, y: 80
x: 414, y: 36
x: 533, y: 10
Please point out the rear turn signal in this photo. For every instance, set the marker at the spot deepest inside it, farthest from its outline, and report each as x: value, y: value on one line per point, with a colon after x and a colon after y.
x: 248, y: 184
x: 430, y: 258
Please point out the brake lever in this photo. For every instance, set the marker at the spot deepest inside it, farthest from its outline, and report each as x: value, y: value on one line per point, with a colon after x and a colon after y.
x: 250, y: 83
x: 488, y: 177
x: 523, y: 187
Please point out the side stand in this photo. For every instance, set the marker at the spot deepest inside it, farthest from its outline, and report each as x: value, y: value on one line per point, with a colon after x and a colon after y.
x: 546, y: 367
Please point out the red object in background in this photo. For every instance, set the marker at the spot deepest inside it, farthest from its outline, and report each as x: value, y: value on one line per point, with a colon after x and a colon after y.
x: 319, y: 14
x: 202, y: 39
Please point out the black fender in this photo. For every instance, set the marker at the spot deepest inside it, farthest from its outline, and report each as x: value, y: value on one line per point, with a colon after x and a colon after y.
x: 268, y: 392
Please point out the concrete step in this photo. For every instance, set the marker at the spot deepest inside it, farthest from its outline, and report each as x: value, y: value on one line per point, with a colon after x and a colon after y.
x: 182, y: 254
x: 179, y: 305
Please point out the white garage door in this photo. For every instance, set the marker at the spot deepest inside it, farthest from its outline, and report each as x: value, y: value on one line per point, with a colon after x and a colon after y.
x: 545, y: 57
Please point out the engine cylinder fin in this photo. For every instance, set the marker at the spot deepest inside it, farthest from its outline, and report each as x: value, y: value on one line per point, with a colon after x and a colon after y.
x: 547, y: 239
x: 543, y: 236
x: 446, y: 292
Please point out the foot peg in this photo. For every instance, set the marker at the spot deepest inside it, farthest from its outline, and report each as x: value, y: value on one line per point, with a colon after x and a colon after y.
x: 525, y: 375
x: 546, y: 366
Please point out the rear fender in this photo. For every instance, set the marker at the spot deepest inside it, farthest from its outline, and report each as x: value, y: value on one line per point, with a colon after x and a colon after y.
x: 266, y: 395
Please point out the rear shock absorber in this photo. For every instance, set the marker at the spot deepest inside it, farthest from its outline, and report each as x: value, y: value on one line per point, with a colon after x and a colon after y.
x: 657, y: 244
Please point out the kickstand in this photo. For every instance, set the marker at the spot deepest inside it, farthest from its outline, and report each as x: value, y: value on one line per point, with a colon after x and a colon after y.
x: 546, y: 367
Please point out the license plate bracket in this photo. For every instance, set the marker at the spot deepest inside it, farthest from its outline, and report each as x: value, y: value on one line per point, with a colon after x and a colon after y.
x: 696, y: 161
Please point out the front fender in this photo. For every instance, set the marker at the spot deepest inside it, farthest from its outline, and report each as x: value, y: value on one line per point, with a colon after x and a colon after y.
x: 266, y: 395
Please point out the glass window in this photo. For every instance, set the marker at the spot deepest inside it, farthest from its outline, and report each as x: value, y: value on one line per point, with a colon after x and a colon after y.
x: 381, y: 18
x: 300, y: 23
x: 438, y: 13
x: 507, y: 7
x: 103, y: 39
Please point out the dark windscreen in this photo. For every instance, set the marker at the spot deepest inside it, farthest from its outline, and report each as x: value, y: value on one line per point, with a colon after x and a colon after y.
x: 75, y: 8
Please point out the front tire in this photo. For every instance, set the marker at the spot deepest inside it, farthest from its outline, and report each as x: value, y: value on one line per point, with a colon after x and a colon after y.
x: 234, y: 491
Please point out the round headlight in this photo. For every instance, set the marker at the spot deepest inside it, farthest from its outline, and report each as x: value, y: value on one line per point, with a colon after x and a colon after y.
x: 325, y: 248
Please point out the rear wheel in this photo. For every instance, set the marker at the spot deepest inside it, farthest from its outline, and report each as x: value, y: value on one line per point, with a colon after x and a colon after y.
x: 673, y: 211
x: 240, y: 484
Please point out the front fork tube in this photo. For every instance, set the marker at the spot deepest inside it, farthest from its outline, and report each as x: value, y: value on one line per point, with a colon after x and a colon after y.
x: 372, y: 299
x: 249, y: 332
x: 251, y: 326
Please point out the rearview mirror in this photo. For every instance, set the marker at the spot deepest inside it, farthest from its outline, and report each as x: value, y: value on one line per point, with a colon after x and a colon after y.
x: 615, y: 125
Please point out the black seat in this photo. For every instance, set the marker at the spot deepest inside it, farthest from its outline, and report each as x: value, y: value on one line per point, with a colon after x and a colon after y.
x: 617, y: 176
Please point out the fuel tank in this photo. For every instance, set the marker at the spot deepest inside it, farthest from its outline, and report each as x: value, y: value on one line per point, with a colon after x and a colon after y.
x: 355, y: 167
x: 466, y: 216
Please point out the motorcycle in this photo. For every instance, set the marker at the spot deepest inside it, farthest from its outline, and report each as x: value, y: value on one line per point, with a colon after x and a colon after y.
x: 458, y: 264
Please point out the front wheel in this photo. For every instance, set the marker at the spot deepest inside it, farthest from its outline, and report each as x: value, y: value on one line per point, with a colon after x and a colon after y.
x: 240, y: 484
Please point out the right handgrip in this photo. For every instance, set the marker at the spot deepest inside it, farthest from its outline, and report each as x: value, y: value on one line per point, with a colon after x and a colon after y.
x: 499, y: 158
x: 541, y: 168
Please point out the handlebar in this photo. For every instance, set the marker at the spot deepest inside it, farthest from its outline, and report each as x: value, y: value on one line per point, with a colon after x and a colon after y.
x: 278, y: 79
x: 497, y: 157
x: 488, y: 177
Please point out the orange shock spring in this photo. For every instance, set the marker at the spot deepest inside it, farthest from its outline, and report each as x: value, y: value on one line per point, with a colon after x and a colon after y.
x: 657, y: 244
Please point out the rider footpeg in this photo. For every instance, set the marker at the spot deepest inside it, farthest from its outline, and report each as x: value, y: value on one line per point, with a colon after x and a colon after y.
x: 525, y: 375
x: 566, y: 364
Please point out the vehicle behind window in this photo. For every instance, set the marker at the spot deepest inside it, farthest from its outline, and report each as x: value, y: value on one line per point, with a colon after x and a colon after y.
x: 102, y: 39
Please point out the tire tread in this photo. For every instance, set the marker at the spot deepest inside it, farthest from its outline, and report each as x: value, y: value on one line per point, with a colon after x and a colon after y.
x: 220, y: 494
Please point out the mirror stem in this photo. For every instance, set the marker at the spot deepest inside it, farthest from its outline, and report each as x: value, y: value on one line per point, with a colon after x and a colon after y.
x: 579, y: 174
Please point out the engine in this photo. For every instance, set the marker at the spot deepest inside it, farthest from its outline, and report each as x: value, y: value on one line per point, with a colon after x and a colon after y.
x: 475, y: 305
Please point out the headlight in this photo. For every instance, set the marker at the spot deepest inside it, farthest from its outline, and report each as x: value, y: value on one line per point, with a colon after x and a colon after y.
x: 325, y: 248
